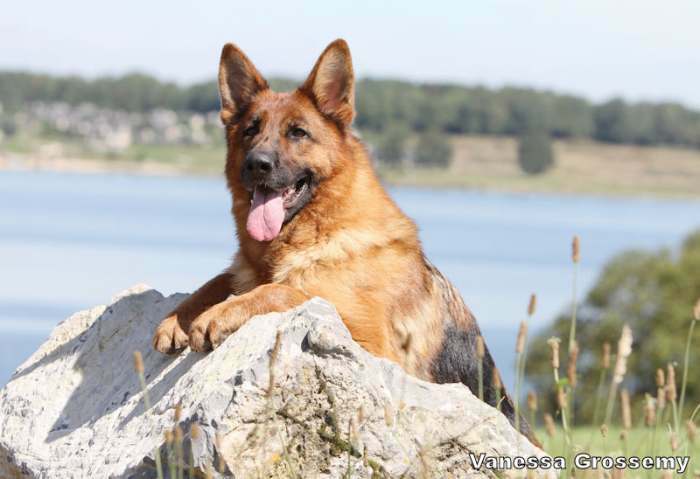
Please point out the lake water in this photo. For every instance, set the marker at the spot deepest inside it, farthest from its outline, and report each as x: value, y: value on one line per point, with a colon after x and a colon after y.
x: 71, y: 241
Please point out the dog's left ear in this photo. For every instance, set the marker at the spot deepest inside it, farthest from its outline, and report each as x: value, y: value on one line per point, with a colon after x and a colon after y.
x: 331, y: 83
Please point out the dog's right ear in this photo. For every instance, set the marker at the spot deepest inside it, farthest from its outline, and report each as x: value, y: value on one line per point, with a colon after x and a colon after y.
x: 239, y: 82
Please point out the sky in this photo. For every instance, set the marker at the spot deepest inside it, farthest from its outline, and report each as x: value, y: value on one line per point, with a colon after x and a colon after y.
x: 641, y: 50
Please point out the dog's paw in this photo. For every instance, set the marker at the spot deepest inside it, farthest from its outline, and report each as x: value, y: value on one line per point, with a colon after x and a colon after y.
x: 169, y: 337
x: 212, y: 327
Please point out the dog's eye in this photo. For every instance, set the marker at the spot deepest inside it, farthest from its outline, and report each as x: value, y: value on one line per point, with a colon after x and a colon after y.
x: 252, y: 130
x: 297, y: 132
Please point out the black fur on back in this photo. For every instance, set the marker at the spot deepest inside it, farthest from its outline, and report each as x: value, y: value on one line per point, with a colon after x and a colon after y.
x: 457, y: 361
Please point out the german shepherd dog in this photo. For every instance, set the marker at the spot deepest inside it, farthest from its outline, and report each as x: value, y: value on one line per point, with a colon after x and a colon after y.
x: 313, y: 220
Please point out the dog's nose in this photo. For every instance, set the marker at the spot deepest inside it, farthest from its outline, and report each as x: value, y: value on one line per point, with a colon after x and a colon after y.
x: 259, y: 163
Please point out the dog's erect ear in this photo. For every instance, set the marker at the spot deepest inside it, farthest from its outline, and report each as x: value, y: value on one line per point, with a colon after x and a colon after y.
x: 331, y: 83
x: 239, y: 82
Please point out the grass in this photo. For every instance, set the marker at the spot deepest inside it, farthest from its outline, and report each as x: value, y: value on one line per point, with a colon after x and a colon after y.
x: 638, y: 443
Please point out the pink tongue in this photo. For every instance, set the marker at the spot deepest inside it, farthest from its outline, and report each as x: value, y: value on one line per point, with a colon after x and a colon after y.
x: 266, y: 215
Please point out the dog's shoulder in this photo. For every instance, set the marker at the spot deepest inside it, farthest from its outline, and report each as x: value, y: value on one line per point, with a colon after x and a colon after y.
x: 454, y: 311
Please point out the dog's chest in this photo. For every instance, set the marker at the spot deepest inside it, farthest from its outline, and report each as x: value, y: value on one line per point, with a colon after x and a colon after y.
x: 297, y: 266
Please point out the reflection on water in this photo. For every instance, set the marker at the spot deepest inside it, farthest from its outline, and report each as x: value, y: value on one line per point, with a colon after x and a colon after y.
x: 71, y: 241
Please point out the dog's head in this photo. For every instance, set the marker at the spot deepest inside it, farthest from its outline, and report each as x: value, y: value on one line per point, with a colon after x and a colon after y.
x: 282, y: 146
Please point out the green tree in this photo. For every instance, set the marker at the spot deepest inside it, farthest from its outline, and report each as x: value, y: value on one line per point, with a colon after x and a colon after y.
x: 653, y: 292
x: 202, y: 97
x: 7, y: 125
x: 433, y: 150
x: 535, y: 155
x: 528, y: 110
x: 391, y: 145
x: 573, y: 117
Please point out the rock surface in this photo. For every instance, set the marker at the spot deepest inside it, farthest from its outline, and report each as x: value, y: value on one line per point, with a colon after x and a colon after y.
x: 75, y: 408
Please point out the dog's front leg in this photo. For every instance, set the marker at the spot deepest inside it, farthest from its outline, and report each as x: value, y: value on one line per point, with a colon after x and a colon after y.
x: 213, y: 326
x: 171, y: 335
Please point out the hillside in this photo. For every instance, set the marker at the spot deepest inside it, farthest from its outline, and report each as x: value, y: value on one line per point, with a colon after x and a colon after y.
x: 490, y: 163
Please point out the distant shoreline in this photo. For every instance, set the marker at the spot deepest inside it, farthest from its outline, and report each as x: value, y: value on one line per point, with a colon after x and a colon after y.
x: 17, y: 162
x: 584, y: 169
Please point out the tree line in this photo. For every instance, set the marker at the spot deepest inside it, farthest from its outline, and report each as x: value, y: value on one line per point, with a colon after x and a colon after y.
x: 383, y: 104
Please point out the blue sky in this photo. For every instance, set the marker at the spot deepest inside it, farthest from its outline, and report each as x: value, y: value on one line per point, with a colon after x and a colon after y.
x: 642, y: 50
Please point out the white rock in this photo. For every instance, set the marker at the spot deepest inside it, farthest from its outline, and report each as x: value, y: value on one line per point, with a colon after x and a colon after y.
x: 75, y: 409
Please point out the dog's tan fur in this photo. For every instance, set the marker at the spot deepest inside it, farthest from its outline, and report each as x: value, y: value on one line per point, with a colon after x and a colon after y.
x: 350, y: 244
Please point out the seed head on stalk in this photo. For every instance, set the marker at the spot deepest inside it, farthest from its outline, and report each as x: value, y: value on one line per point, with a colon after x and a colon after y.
x: 571, y: 366
x: 624, y: 349
x: 497, y: 384
x: 549, y: 425
x: 522, y: 334
x: 660, y: 378
x: 554, y: 346
x: 480, y: 350
x: 671, y: 392
x: 660, y: 389
x: 138, y: 362
x: 532, y: 306
x: 532, y: 401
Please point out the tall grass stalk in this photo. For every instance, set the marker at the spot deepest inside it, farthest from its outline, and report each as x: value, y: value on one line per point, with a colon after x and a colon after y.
x: 604, y: 367
x: 498, y: 386
x: 575, y: 258
x: 170, y: 454
x: 532, y: 406
x: 561, y: 394
x: 672, y: 394
x: 549, y: 425
x: 624, y: 349
x: 480, y: 353
x: 659, y: 407
x: 531, y: 308
x: 178, y: 437
x: 195, y: 434
x: 519, y: 348
x: 686, y: 359
x: 571, y: 378
x: 138, y: 367
x: 650, y: 421
x: 626, y: 409
x: 179, y: 452
x: 691, y: 434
